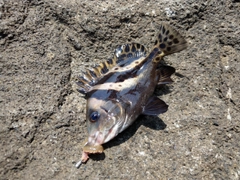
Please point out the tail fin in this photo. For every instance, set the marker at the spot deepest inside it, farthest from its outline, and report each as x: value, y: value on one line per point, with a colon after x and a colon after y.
x: 169, y: 41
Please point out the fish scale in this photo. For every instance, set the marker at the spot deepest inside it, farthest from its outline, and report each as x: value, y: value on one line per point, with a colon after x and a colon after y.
x: 120, y: 89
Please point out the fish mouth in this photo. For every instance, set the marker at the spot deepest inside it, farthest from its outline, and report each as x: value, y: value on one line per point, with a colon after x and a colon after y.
x: 95, y: 141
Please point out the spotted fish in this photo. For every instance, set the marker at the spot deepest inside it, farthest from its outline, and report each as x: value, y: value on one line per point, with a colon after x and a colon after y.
x: 120, y: 89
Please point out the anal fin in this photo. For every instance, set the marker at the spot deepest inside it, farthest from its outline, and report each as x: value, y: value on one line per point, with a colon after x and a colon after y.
x: 155, y: 106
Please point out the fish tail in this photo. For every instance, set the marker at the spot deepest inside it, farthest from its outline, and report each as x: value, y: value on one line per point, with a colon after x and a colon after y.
x: 168, y: 41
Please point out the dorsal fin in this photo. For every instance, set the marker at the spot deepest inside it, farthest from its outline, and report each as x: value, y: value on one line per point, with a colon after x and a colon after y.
x: 122, y: 53
x: 127, y: 51
x: 91, y: 76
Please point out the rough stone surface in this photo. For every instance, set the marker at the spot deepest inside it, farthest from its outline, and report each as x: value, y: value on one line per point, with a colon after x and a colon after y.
x: 44, y: 46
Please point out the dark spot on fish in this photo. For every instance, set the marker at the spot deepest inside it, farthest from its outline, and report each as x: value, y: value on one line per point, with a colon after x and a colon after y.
x: 167, y: 32
x: 133, y: 91
x: 129, y: 55
x: 122, y: 78
x: 160, y: 37
x: 171, y: 36
x: 104, y: 69
x: 169, y: 48
x: 120, y: 85
x: 156, y: 42
x: 157, y: 59
x: 162, y: 45
x: 110, y: 85
x: 136, y: 62
x: 165, y: 39
x: 156, y: 50
x: 170, y: 43
x: 80, y: 82
x: 110, y: 61
x: 127, y: 48
x: 133, y: 48
x: 153, y: 53
x: 116, y: 69
x: 163, y: 29
x: 93, y: 74
x: 142, y: 48
x: 104, y: 78
x: 123, y: 56
x: 175, y: 41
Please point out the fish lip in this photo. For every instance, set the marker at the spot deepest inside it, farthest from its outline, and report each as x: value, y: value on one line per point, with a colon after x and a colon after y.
x: 99, y: 138
x: 94, y: 139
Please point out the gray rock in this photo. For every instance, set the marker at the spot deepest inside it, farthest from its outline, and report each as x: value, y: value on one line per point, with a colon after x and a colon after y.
x: 44, y: 46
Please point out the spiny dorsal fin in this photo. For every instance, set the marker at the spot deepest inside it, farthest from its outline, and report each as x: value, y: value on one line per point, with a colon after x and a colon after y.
x: 169, y: 41
x: 123, y: 52
x: 91, y: 76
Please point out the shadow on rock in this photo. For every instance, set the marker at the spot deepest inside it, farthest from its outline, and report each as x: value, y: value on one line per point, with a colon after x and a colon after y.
x: 153, y: 122
x: 97, y: 157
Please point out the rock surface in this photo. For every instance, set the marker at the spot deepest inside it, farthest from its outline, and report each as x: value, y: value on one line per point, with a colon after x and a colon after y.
x: 44, y: 46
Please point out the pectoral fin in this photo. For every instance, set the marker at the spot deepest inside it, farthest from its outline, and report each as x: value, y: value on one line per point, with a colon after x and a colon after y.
x: 155, y: 106
x: 165, y: 73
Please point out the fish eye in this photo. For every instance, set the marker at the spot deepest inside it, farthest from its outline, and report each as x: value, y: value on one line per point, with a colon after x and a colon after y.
x: 94, y: 116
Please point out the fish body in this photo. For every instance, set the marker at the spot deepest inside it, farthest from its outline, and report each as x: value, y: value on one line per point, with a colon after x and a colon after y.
x: 121, y: 88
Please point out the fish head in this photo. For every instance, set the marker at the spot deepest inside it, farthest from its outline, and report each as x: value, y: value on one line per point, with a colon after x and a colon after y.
x: 104, y: 121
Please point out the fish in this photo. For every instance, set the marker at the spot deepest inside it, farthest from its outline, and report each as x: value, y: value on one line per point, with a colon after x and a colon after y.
x: 121, y: 88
